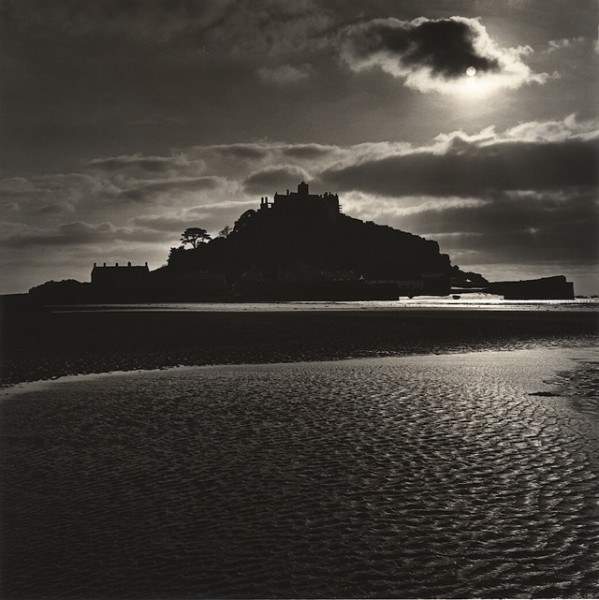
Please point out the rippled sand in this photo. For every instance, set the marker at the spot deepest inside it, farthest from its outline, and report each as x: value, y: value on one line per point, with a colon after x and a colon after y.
x: 428, y: 476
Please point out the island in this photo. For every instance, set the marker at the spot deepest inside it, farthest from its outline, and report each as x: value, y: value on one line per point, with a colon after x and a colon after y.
x: 297, y: 246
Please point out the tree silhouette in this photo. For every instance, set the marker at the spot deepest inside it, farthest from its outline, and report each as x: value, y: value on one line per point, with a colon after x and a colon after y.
x: 195, y: 236
x: 243, y: 220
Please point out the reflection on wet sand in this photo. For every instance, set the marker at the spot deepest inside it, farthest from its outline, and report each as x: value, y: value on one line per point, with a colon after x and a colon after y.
x: 402, y: 477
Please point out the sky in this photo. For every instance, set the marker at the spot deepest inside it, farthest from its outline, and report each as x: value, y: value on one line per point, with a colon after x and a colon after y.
x: 470, y: 122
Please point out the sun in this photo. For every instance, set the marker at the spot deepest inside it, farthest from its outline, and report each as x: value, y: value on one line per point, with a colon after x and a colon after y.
x: 474, y: 84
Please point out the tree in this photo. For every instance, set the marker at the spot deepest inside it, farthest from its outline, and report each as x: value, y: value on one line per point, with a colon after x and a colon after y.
x: 195, y: 236
x: 224, y: 232
x: 243, y: 220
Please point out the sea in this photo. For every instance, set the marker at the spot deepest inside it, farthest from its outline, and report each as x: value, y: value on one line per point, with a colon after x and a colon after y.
x: 463, y: 475
x: 473, y: 301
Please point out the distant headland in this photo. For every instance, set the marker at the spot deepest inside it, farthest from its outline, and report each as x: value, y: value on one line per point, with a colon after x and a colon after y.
x: 299, y: 246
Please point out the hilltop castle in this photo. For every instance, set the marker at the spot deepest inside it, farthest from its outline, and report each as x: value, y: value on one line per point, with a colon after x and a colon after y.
x: 302, y: 245
x: 302, y: 200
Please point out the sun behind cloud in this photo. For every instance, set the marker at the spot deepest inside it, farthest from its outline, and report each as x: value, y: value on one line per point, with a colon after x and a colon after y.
x: 454, y: 55
x: 475, y: 85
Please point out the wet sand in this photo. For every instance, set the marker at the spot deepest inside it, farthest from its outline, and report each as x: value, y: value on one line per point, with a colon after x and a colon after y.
x: 42, y: 344
x: 458, y: 475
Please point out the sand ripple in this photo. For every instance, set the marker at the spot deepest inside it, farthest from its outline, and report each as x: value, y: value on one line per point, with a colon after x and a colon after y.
x: 435, y: 476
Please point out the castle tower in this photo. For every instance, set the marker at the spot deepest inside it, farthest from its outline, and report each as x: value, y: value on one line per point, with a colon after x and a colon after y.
x: 303, y: 189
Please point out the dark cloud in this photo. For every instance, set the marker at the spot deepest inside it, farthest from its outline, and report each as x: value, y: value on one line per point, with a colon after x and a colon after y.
x: 192, y: 27
x: 274, y: 179
x: 239, y: 161
x: 511, y: 228
x: 446, y: 46
x: 308, y: 151
x: 468, y: 169
x: 434, y: 54
x: 148, y: 191
x: 209, y: 216
x: 79, y: 233
x: 73, y: 233
x: 530, y: 246
x: 151, y: 20
x: 550, y: 225
x: 162, y: 223
x: 150, y: 164
x: 241, y: 151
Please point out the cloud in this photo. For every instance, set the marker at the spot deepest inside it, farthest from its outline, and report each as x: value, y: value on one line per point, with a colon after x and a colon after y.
x: 137, y: 162
x: 471, y: 171
x: 240, y: 161
x: 161, y: 223
x: 532, y: 230
x: 285, y: 74
x: 444, y: 55
x: 90, y: 235
x: 209, y: 216
x: 53, y: 194
x: 73, y: 233
x: 307, y: 151
x: 275, y: 178
x: 559, y: 214
x: 239, y: 151
x: 535, y: 156
x: 564, y: 43
x: 195, y: 29
x: 370, y: 207
x: 547, y: 131
x: 149, y: 20
x: 138, y: 167
x: 148, y: 191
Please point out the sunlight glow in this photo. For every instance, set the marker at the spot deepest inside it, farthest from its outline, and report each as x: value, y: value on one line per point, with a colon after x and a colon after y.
x: 475, y: 85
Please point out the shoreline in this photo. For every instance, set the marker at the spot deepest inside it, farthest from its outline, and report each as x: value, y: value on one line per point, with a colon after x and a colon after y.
x: 43, y: 345
x: 569, y: 355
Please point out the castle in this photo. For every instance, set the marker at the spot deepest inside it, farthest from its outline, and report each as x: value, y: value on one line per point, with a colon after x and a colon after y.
x: 301, y: 245
x: 303, y: 200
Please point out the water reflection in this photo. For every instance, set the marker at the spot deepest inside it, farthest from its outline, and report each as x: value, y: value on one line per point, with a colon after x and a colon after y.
x: 465, y: 301
x: 402, y: 477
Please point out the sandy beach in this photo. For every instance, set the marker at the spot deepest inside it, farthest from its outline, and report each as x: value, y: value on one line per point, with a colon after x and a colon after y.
x: 316, y: 453
x: 454, y: 475
x: 41, y: 344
